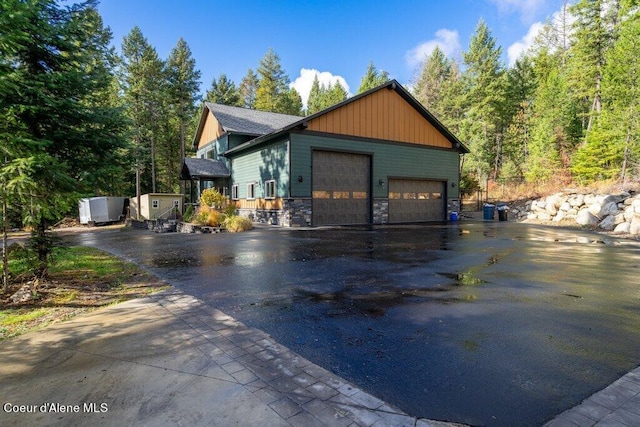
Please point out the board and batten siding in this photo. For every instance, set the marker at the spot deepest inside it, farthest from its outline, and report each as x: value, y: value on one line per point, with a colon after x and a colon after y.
x: 388, y: 160
x: 211, y: 130
x: 383, y: 115
x: 269, y: 162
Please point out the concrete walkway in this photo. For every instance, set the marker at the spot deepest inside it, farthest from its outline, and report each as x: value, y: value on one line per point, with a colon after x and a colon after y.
x: 169, y: 359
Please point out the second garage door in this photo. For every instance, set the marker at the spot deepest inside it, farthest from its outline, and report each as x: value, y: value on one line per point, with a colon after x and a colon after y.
x: 341, y: 185
x: 416, y: 200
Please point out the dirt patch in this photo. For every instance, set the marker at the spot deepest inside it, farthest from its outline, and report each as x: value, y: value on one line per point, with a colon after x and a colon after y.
x: 33, y: 304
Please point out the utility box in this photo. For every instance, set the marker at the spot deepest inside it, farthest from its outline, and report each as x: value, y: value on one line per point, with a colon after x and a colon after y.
x: 101, y: 210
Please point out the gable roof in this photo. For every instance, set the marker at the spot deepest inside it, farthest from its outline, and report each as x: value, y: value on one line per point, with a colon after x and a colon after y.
x: 245, y: 121
x: 193, y: 168
x: 303, y: 123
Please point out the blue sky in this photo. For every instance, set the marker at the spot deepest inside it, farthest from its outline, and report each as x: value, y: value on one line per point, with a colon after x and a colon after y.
x: 335, y: 38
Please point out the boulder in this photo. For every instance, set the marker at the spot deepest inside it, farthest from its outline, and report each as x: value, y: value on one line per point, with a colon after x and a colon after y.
x: 559, y: 216
x: 636, y: 205
x: 585, y: 217
x: 628, y: 213
x: 622, y: 228
x: 634, y: 226
x: 566, y: 206
x: 544, y: 216
x: 576, y: 200
x: 619, y: 218
x: 608, y: 223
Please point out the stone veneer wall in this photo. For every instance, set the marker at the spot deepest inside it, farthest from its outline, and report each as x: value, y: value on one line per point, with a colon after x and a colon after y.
x: 297, y: 212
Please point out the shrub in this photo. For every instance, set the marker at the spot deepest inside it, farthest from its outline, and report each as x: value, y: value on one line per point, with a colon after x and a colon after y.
x: 201, y: 217
x: 236, y: 223
x: 215, y: 218
x: 189, y: 213
x: 212, y: 198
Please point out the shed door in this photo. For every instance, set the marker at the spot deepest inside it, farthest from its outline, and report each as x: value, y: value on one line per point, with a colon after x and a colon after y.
x: 416, y: 200
x: 341, y: 188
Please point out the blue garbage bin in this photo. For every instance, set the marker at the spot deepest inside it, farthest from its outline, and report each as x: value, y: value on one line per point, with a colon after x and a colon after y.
x: 488, y: 211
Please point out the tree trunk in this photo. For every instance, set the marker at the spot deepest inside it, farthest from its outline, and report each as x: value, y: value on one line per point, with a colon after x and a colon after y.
x: 625, y: 158
x: 182, y: 152
x: 5, y: 248
x: 153, y: 164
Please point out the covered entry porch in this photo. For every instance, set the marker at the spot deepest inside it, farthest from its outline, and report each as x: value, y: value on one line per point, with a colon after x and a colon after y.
x: 202, y: 174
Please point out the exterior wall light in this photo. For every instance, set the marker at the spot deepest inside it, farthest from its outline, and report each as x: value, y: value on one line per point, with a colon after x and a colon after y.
x: 300, y: 178
x: 381, y: 182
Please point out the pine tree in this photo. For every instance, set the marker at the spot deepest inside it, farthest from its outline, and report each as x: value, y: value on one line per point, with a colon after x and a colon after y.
x: 223, y: 91
x: 315, y: 104
x: 56, y: 127
x: 430, y: 86
x: 612, y: 148
x: 372, y: 78
x: 183, y: 85
x: 273, y: 87
x: 248, y: 89
x: 486, y: 121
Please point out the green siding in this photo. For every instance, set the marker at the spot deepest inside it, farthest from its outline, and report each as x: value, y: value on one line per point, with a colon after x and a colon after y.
x: 237, y: 139
x: 388, y: 160
x: 264, y: 164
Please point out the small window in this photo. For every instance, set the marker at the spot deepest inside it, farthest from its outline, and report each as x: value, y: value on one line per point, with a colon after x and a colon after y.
x: 436, y: 195
x: 251, y: 191
x: 234, y: 192
x: 155, y: 204
x: 211, y: 154
x: 270, y: 189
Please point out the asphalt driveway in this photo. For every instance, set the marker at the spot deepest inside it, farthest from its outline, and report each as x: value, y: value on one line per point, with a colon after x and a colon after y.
x: 479, y: 323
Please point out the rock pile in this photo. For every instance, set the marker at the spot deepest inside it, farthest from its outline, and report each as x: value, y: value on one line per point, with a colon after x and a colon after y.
x: 619, y: 213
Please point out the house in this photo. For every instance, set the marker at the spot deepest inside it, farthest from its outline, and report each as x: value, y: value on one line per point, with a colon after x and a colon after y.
x: 378, y: 157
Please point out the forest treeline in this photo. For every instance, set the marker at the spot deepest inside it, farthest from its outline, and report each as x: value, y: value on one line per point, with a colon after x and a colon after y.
x: 80, y: 118
x: 566, y: 111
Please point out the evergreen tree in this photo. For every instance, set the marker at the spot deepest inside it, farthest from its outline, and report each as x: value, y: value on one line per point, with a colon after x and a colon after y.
x: 372, y: 78
x: 248, y: 89
x: 183, y: 85
x: 291, y: 103
x: 223, y: 91
x: 273, y: 87
x: 612, y: 149
x: 57, y: 127
x: 336, y: 94
x: 592, y: 37
x: 431, y: 84
x: 315, y: 104
x: 322, y: 97
x: 485, y: 121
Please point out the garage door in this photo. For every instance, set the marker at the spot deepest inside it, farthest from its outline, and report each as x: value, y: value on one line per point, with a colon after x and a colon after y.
x: 341, y: 185
x: 416, y: 200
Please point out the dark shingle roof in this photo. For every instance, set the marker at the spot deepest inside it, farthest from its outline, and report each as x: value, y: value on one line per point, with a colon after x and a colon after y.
x: 247, y: 121
x: 193, y: 168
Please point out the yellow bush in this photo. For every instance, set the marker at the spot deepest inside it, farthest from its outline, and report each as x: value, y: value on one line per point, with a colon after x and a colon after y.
x: 215, y: 218
x: 236, y: 223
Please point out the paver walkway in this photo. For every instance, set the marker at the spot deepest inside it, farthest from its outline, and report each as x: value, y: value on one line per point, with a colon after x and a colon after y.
x: 616, y: 405
x: 170, y: 359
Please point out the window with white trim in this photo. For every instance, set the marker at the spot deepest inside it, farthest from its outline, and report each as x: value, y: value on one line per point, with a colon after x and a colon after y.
x: 251, y: 191
x: 211, y: 154
x: 270, y: 189
x: 234, y: 192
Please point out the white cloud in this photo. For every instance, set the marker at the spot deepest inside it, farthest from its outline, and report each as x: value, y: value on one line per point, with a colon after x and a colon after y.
x: 518, y: 48
x: 303, y: 83
x: 447, y: 40
x: 526, y: 8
